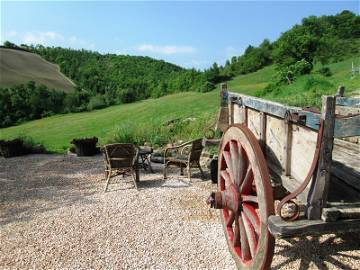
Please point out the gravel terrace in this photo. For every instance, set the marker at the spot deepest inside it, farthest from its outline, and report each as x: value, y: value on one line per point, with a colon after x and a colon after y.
x: 55, y: 215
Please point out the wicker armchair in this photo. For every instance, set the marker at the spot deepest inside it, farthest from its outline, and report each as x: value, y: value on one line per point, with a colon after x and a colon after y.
x: 120, y: 158
x: 187, y: 155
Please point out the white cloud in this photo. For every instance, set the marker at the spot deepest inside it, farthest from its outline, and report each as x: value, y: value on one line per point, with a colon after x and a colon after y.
x: 165, y: 49
x: 52, y: 38
x: 42, y: 37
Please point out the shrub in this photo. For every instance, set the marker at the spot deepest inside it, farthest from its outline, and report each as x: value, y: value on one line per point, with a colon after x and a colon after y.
x: 325, y: 71
x: 159, y: 134
x: 301, y: 67
x: 207, y: 87
x: 96, y: 102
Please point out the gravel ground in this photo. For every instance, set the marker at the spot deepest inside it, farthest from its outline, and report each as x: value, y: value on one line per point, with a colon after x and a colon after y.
x: 54, y: 214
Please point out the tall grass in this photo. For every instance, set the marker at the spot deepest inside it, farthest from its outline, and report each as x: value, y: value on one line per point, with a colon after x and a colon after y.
x: 157, y: 133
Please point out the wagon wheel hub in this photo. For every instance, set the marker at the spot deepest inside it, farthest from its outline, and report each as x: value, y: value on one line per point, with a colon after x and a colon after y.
x: 230, y: 199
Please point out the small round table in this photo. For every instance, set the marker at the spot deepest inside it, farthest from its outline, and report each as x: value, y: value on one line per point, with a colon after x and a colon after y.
x: 144, y: 155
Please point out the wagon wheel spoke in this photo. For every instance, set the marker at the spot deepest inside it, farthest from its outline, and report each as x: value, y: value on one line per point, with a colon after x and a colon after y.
x: 226, y: 176
x: 234, y: 158
x: 230, y: 219
x: 236, y: 162
x: 245, y: 249
x: 250, y: 234
x: 236, y: 241
x: 252, y: 216
x: 227, y: 156
x: 249, y: 198
x: 242, y: 165
x: 248, y: 180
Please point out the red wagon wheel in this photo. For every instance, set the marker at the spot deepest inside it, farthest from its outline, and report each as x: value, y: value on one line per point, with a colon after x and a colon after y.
x: 245, y: 197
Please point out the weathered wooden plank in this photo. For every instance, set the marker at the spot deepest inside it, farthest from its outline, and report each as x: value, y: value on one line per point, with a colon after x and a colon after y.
x: 275, y: 141
x: 347, y: 127
x: 276, y: 109
x: 223, y: 119
x: 262, y: 140
x: 231, y: 110
x: 346, y: 163
x: 280, y: 228
x: 345, y: 101
x: 239, y: 114
x: 319, y: 188
x: 340, y: 212
x: 344, y: 110
x: 287, y: 148
x: 288, y: 182
x: 222, y: 122
x: 303, y: 145
x: 253, y: 122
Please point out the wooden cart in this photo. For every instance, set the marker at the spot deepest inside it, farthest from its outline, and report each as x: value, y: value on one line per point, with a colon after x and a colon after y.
x: 270, y: 153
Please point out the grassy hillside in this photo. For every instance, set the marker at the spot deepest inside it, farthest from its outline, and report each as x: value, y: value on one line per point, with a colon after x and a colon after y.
x: 57, y: 131
x: 145, y: 120
x: 306, y: 90
x: 18, y: 67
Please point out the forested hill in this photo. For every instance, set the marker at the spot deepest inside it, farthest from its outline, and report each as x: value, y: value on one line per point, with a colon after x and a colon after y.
x: 324, y: 39
x: 121, y: 78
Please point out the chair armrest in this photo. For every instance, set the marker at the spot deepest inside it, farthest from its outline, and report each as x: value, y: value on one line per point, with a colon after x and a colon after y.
x: 185, y: 148
x: 177, y: 147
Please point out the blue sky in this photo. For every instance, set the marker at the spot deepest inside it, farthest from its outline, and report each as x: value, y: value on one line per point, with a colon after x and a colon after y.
x: 190, y: 34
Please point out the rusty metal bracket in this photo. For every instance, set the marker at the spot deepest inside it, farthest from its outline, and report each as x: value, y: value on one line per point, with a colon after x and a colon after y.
x: 295, y: 117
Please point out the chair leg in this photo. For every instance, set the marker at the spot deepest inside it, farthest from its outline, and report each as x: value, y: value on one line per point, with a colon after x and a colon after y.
x: 107, y: 180
x: 137, y: 177
x: 189, y: 172
x: 133, y: 173
x: 202, y: 172
x: 149, y: 161
x: 165, y: 169
x: 181, y: 170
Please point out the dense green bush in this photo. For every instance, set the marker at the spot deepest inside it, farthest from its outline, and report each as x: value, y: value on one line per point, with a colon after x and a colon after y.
x: 325, y: 71
x: 29, y: 101
x: 96, y: 102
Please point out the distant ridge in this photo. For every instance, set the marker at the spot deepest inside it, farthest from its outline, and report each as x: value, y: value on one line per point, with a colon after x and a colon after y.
x: 19, y: 66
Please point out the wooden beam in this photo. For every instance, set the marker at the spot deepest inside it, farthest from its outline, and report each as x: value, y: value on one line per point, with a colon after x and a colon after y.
x: 340, y: 92
x: 344, y: 101
x: 340, y: 212
x: 287, y: 147
x: 277, y: 109
x: 280, y: 228
x: 318, y: 192
x: 262, y: 131
x: 346, y: 164
x: 347, y: 127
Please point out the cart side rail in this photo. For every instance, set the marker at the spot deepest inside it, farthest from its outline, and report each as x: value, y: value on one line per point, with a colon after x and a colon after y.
x: 288, y: 136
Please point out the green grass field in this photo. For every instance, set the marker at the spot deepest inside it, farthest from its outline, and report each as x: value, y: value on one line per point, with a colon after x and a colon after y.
x: 144, y: 121
x: 17, y: 67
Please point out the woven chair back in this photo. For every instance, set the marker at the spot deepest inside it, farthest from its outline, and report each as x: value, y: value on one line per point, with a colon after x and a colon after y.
x: 121, y: 155
x: 196, y: 149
